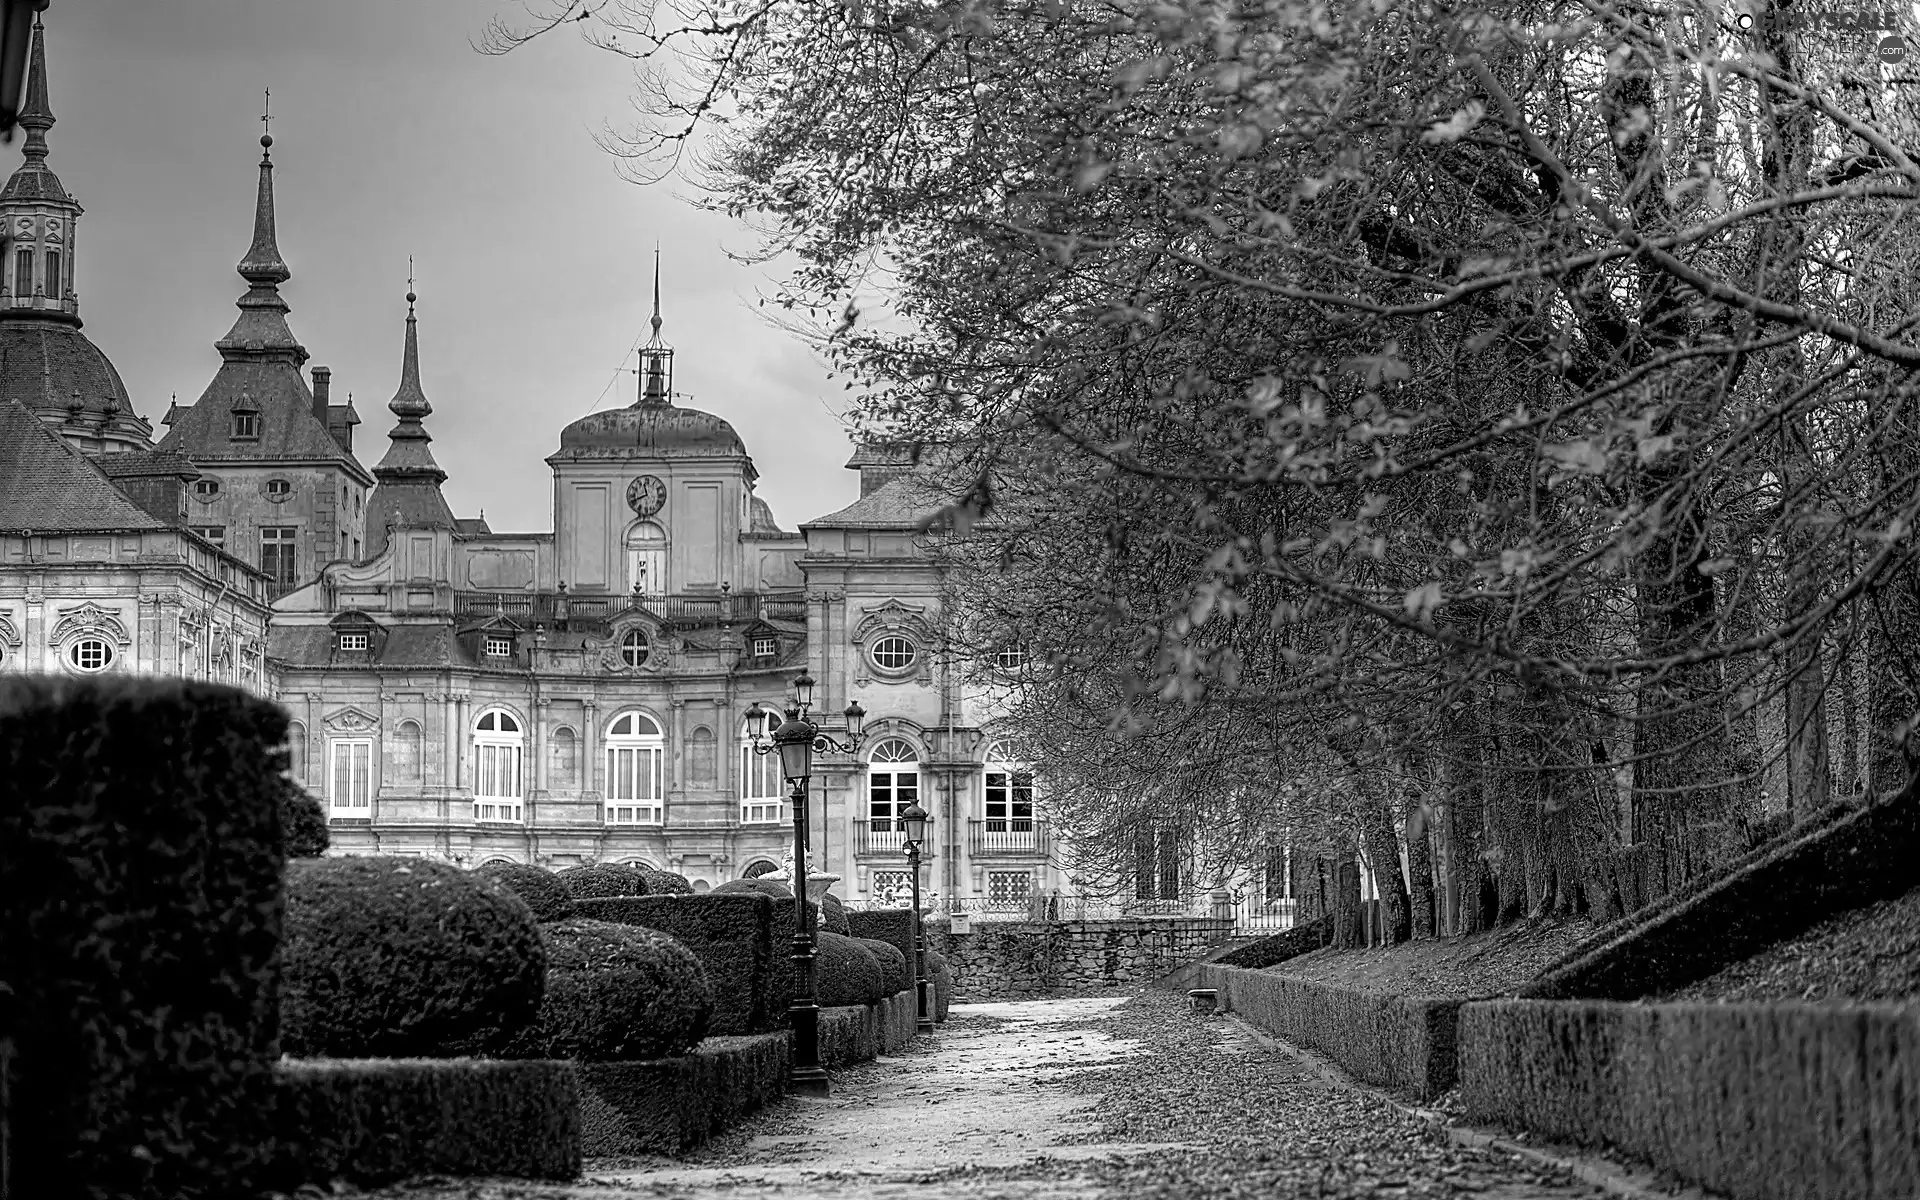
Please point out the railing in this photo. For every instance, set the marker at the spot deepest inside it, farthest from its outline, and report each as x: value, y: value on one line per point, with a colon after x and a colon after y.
x: 498, y: 811
x: 556, y: 608
x: 1007, y: 838
x: 882, y: 837
x: 627, y: 812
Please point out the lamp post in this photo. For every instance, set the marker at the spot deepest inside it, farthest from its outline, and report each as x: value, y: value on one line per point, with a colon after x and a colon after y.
x: 797, y: 740
x: 915, y: 820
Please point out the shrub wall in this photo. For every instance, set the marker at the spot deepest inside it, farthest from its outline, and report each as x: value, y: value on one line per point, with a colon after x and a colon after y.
x: 542, y: 890
x: 665, y: 883
x: 376, y: 1120
x: 732, y: 935
x: 603, y: 879
x: 303, y: 821
x: 615, y: 992
x: 405, y: 958
x: 1760, y: 1101
x: 833, y: 916
x: 1397, y: 1042
x: 893, y: 925
x: 845, y: 972
x: 1272, y: 951
x: 670, y: 1104
x: 896, y: 972
x: 141, y: 852
x: 941, y: 976
x: 1843, y: 859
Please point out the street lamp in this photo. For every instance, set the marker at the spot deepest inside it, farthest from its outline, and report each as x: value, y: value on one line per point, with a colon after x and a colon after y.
x: 797, y: 740
x: 915, y: 822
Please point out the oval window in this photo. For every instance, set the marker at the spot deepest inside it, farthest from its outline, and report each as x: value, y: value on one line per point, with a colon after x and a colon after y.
x: 206, y: 489
x: 90, y: 654
x: 893, y: 653
x: 278, y: 489
x: 633, y: 648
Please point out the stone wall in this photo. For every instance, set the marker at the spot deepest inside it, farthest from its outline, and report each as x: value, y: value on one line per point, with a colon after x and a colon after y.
x: 1015, y: 960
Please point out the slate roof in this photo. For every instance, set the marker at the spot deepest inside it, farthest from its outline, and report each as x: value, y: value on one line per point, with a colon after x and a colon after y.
x: 288, y: 429
x: 49, y: 487
x: 45, y: 361
x: 145, y: 463
x: 901, y: 503
x: 404, y: 646
x: 470, y: 526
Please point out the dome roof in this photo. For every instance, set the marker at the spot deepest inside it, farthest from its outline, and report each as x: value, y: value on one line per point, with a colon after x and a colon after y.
x: 655, y: 428
x: 44, y: 363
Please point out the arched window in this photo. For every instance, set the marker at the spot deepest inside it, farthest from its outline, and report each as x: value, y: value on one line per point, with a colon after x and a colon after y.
x: 647, y: 559
x: 498, y: 744
x: 763, y: 867
x: 1009, y: 799
x: 634, y: 748
x: 403, y: 755
x: 893, y: 785
x: 566, y: 758
x: 761, y: 792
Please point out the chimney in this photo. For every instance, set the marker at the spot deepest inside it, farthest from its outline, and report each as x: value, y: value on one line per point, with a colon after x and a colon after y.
x: 322, y: 391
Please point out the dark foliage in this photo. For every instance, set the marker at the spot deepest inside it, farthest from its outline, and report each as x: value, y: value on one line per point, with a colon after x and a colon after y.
x: 540, y: 888
x: 666, y: 1105
x: 1271, y: 951
x: 758, y: 887
x: 733, y: 937
x: 372, y: 1121
x: 665, y: 883
x: 303, y: 821
x: 896, y: 972
x: 405, y: 957
x: 603, y: 879
x: 845, y: 972
x: 833, y: 915
x: 940, y: 975
x: 891, y: 925
x: 616, y: 992
x: 141, y: 857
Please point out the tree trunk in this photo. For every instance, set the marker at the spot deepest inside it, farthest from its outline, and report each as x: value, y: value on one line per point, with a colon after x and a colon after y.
x: 1383, y: 847
x: 1847, y: 778
x: 1420, y: 872
x: 1347, y: 933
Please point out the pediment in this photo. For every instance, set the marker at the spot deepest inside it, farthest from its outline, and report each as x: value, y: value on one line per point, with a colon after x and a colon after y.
x: 90, y: 618
x: 894, y: 616
x: 351, y: 719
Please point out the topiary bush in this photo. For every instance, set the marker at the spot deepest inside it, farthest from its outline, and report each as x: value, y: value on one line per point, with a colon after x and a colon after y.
x: 405, y: 958
x: 891, y: 925
x: 833, y: 915
x: 303, y: 821
x: 665, y: 883
x: 940, y: 975
x: 758, y: 887
x: 141, y: 859
x: 540, y: 888
x: 602, y: 879
x: 896, y: 972
x: 616, y: 992
x: 845, y: 972
x: 733, y: 937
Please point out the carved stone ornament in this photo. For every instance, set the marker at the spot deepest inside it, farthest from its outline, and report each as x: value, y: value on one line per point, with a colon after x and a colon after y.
x: 351, y: 720
x: 9, y: 635
x: 893, y: 617
x: 90, y: 619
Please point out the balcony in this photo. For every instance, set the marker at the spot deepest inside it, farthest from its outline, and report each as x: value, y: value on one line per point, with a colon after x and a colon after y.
x: 881, y: 837
x: 564, y: 610
x: 1003, y: 838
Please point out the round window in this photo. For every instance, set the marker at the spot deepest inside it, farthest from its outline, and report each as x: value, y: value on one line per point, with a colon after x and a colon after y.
x: 633, y: 648
x: 278, y: 489
x: 90, y: 654
x: 893, y: 653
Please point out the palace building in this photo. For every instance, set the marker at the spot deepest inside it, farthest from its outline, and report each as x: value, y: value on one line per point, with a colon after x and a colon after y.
x: 566, y: 696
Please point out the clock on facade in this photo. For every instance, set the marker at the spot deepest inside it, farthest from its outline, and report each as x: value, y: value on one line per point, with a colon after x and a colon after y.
x: 646, y: 494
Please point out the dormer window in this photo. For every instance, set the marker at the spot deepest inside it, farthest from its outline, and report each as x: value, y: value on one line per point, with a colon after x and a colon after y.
x: 498, y: 646
x: 246, y: 425
x: 765, y: 647
x: 353, y: 641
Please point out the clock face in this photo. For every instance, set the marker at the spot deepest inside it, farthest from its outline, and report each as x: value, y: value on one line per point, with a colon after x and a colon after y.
x: 646, y: 494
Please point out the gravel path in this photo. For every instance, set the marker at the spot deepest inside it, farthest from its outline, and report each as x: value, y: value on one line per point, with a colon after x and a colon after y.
x: 1103, y: 1099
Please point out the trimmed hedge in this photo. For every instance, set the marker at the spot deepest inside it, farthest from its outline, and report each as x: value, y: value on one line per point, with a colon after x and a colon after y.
x: 603, y: 879
x: 377, y: 1120
x: 833, y: 915
x: 896, y: 971
x: 671, y: 1104
x: 405, y: 958
x: 303, y: 821
x: 1274, y: 950
x: 733, y: 937
x: 540, y: 888
x: 1844, y: 858
x: 845, y: 973
x: 892, y: 925
x: 665, y: 883
x: 1761, y: 1101
x: 940, y: 975
x: 615, y: 992
x: 759, y: 887
x: 862, y: 1032
x: 141, y: 853
x: 1398, y: 1042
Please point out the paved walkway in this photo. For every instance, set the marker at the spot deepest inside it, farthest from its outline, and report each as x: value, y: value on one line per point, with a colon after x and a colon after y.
x: 1097, y: 1099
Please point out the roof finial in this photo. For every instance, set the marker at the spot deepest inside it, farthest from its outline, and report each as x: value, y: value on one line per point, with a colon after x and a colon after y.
x: 36, y: 115
x: 656, y: 293
x: 266, y: 119
x: 410, y: 295
x: 263, y: 266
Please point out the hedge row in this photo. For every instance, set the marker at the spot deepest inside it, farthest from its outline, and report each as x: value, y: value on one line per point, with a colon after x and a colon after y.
x: 862, y: 1032
x: 893, y: 925
x: 1395, y: 1041
x: 845, y: 973
x: 545, y: 895
x: 732, y: 935
x: 141, y: 849
x: 1846, y: 858
x: 670, y: 1104
x: 376, y: 1120
x: 1763, y: 1101
x: 896, y: 969
x: 1274, y: 950
x: 615, y: 992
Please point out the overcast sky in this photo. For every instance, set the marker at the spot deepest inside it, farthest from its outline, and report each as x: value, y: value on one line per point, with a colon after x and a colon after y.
x: 392, y: 136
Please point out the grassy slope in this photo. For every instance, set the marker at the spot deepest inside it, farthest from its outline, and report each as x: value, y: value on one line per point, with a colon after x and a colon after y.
x: 1481, y: 964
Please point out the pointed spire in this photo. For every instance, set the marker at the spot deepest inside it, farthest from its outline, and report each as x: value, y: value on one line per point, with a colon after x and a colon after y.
x: 656, y: 357
x: 410, y: 402
x: 656, y: 297
x: 36, y: 115
x: 263, y: 266
x: 408, y: 454
x: 261, y: 332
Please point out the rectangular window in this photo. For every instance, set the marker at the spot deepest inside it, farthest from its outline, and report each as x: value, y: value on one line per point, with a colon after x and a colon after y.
x: 496, y: 781
x: 246, y: 425
x: 760, y: 787
x: 1009, y: 890
x: 499, y: 647
x: 764, y: 647
x: 1009, y: 802
x: 217, y: 534
x: 350, y: 776
x: 276, y: 558
x: 889, y: 793
x: 53, y: 275
x: 23, y: 273
x: 353, y: 641
x: 189, y: 652
x: 633, y: 785
x: 1156, y: 865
